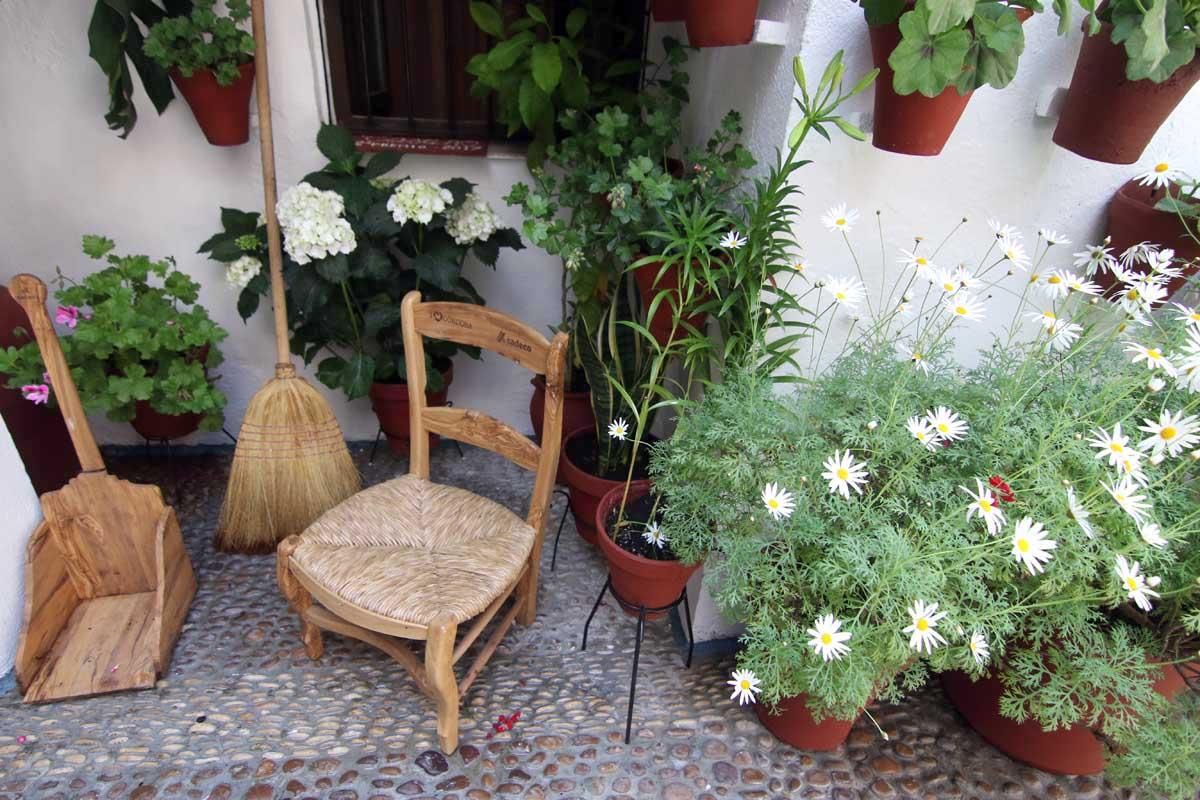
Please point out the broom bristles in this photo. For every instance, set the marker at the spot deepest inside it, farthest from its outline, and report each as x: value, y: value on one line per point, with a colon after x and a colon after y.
x: 291, y: 465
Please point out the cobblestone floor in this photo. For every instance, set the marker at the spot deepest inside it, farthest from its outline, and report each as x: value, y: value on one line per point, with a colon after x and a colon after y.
x: 244, y: 714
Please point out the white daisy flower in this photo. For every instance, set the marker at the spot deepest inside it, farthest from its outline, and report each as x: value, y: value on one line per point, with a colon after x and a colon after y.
x: 920, y: 264
x: 1188, y: 314
x: 985, y: 506
x: 1047, y: 319
x: 1125, y: 493
x: 779, y: 502
x: 964, y: 305
x: 1160, y: 175
x: 827, y: 639
x: 1135, y: 583
x: 846, y: 291
x: 1030, y: 546
x: 1130, y: 465
x: 1054, y: 284
x: 1137, y: 254
x: 1152, y: 535
x: 923, y: 432
x: 918, y: 361
x: 978, y: 646
x: 947, y: 424
x: 733, y: 241
x: 618, y: 429
x: 844, y: 473
x: 1173, y: 432
x: 1154, y: 357
x: 654, y: 535
x: 1189, y: 379
x: 1081, y: 285
x: 1063, y: 335
x: 745, y: 686
x: 1053, y: 237
x: 1081, y: 515
x: 964, y: 277
x: 1189, y: 359
x: 840, y: 218
x: 945, y: 280
x: 1162, y: 264
x: 1156, y: 384
x: 1112, y: 446
x: 923, y: 635
x: 1095, y: 258
x: 1003, y: 231
x: 1141, y: 296
x: 1014, y: 252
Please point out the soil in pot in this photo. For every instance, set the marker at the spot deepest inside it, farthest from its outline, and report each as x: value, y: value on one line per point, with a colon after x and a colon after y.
x: 222, y: 112
x: 649, y: 284
x: 642, y: 573
x: 793, y: 723
x: 578, y: 467
x: 1132, y: 218
x: 720, y: 23
x: 390, y: 403
x: 1106, y: 116
x: 577, y: 410
x: 156, y: 426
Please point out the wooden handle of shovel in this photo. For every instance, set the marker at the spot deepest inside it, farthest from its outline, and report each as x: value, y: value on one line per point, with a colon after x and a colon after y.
x: 31, y: 294
x: 262, y: 91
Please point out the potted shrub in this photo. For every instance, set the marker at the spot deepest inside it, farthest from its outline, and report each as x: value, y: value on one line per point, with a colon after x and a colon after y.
x: 931, y: 57
x: 355, y: 242
x: 719, y: 23
x: 1136, y: 64
x: 211, y: 61
x: 140, y: 348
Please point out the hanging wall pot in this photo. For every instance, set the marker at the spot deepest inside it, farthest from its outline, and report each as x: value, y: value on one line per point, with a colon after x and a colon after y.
x: 1133, y: 218
x: 720, y: 23
x: 1106, y: 116
x: 222, y: 112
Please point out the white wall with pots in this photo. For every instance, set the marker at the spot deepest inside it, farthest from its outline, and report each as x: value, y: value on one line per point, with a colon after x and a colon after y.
x: 21, y: 515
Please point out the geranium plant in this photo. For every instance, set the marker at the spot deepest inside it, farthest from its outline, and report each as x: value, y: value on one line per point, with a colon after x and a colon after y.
x: 1158, y: 36
x: 203, y: 40
x: 355, y: 242
x: 136, y: 335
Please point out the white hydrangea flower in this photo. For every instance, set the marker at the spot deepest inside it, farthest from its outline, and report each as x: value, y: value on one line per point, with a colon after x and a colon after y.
x: 312, y: 224
x: 241, y: 272
x: 418, y: 200
x: 473, y: 221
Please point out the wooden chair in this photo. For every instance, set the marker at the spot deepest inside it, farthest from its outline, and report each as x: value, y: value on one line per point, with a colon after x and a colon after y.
x: 412, y: 559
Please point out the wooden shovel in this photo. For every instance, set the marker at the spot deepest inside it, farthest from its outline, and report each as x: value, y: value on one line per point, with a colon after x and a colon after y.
x: 108, y: 581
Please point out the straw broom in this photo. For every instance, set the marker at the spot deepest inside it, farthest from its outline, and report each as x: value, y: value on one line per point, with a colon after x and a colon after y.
x: 291, y: 463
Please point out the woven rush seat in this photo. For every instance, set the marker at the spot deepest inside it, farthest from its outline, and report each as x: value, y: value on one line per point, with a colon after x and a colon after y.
x: 412, y: 550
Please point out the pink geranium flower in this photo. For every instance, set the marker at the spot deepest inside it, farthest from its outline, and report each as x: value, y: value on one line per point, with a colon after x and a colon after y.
x: 67, y: 315
x: 36, y: 393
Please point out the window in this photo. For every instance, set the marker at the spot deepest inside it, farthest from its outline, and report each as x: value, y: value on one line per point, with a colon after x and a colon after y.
x: 397, y: 68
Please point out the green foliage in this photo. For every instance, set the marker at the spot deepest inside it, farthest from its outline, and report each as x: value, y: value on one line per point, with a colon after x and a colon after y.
x: 203, y: 39
x: 1162, y: 756
x: 140, y: 336
x: 344, y: 309
x: 1159, y: 36
x: 115, y: 41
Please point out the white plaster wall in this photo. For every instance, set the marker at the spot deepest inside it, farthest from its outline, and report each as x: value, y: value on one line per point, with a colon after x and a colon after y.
x: 158, y: 192
x: 22, y: 514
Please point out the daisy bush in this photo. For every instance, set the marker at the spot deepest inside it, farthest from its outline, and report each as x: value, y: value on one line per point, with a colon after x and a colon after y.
x: 1033, y: 516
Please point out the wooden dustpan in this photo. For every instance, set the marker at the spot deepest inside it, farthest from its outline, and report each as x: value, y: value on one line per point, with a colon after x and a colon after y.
x: 108, y: 582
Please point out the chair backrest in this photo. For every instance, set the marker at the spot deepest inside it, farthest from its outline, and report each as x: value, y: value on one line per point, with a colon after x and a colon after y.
x: 485, y: 328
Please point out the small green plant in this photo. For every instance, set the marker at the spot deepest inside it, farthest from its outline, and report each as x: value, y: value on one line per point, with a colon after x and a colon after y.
x: 1159, y: 36
x: 961, y: 43
x: 203, y: 40
x: 137, y: 335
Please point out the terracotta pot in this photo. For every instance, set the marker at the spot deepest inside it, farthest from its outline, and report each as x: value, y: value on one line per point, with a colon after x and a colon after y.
x: 649, y: 284
x: 390, y: 403
x: 1076, y: 750
x: 793, y: 723
x: 668, y: 10
x: 223, y: 112
x: 1108, y: 117
x: 1132, y: 218
x: 577, y: 413
x: 720, y: 23
x: 912, y: 124
x: 156, y: 426
x: 585, y: 490
x: 636, y: 580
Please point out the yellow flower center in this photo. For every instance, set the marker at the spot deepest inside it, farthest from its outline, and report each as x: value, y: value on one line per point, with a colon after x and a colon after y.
x: 917, y: 357
x: 773, y: 503
x: 960, y: 310
x: 921, y: 436
x: 1054, y: 280
x: 1132, y: 583
x: 826, y: 639
x: 744, y: 685
x: 1049, y: 315
x: 972, y: 645
x: 1168, y: 433
x: 1023, y: 545
x: 840, y: 221
x: 948, y: 286
x: 840, y: 296
x: 985, y: 505
x: 1161, y: 167
x: 1153, y: 354
x: 1116, y: 447
x: 922, y: 624
x: 843, y: 473
x: 1132, y: 294
x: 922, y: 262
x: 943, y: 427
x: 1195, y: 316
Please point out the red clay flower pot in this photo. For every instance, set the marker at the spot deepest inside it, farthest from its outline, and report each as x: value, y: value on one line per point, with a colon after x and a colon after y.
x: 585, y: 490
x: 222, y: 112
x: 1132, y: 218
x: 912, y: 124
x: 156, y: 426
x: 793, y: 724
x: 637, y: 580
x: 577, y: 412
x: 390, y: 403
x: 1108, y: 117
x: 649, y: 284
x: 668, y: 10
x: 720, y: 23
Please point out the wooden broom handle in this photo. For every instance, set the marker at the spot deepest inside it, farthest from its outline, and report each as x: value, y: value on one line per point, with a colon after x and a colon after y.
x: 262, y: 91
x: 31, y: 294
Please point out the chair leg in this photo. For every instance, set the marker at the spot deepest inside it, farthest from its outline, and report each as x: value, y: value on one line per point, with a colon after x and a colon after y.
x: 298, y: 597
x: 439, y: 671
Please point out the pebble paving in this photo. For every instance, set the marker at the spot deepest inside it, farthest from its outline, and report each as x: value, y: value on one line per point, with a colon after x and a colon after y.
x: 243, y: 713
